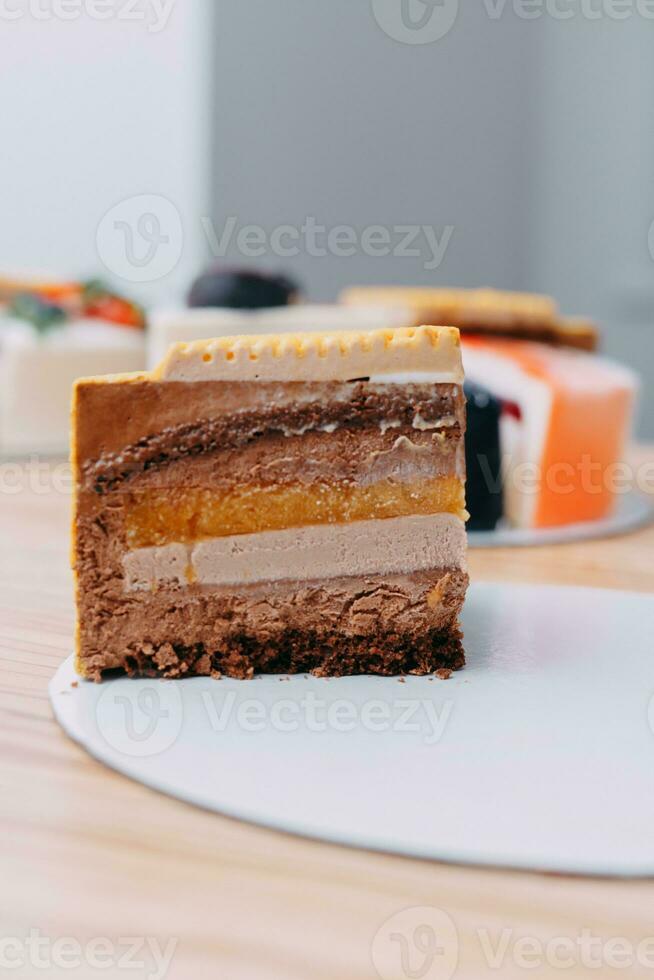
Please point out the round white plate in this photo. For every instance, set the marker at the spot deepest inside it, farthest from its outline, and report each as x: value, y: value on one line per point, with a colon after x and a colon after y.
x: 538, y: 755
x: 633, y: 510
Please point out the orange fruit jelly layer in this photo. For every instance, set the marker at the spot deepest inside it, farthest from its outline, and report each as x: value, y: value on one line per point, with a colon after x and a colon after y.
x: 156, y: 517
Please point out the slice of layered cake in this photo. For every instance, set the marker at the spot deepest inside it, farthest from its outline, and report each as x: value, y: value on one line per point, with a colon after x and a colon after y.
x: 274, y: 504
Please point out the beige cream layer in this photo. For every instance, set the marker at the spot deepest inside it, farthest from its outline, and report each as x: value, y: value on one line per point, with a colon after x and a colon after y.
x: 380, y: 547
x: 338, y: 356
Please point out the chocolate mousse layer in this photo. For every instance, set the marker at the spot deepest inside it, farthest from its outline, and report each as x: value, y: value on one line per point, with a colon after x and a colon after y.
x: 403, y: 624
x: 157, y: 423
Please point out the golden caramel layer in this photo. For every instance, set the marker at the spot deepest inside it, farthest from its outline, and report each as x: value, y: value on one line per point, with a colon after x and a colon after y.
x: 156, y: 517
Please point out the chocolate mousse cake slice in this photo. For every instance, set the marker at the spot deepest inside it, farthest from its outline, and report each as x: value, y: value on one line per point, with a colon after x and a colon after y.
x: 274, y: 504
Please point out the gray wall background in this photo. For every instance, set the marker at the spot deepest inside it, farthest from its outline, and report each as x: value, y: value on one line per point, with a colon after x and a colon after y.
x: 533, y: 139
x: 95, y: 112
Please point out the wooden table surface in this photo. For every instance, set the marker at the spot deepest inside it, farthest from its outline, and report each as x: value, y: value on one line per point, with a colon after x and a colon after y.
x: 87, y: 855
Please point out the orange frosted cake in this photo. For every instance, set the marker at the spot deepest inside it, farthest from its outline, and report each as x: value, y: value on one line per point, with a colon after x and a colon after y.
x: 565, y: 417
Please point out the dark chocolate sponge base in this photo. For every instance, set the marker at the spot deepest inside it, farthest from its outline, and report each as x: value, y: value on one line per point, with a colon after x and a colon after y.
x: 325, y: 654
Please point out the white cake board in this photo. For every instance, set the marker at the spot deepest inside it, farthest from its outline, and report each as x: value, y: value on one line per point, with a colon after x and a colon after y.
x: 633, y: 510
x: 539, y: 755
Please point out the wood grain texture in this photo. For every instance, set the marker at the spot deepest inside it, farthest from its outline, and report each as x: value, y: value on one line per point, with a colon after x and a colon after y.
x: 86, y: 853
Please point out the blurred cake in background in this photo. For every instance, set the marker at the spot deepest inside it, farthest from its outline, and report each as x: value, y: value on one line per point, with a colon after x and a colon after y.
x: 565, y: 422
x: 543, y: 408
x: 484, y: 490
x: 490, y: 312
x: 225, y: 302
x: 52, y: 333
x: 241, y: 289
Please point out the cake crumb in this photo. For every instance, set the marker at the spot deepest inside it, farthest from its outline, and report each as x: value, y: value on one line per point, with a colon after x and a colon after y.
x: 444, y: 673
x: 75, y: 684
